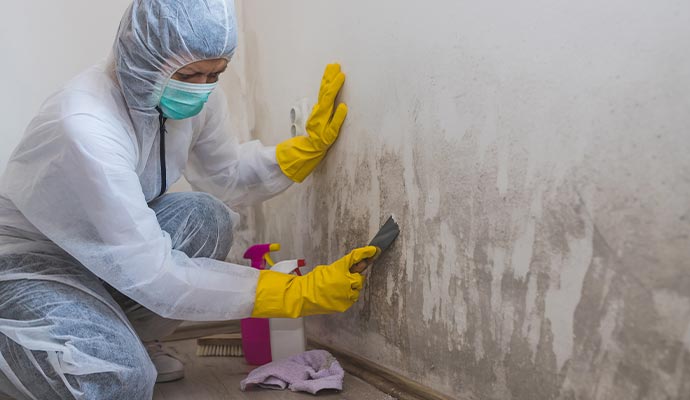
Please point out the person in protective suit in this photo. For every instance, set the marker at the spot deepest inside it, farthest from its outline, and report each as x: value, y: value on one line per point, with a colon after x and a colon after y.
x: 97, y: 262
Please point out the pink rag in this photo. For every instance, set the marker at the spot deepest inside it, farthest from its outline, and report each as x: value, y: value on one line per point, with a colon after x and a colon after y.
x: 310, y: 372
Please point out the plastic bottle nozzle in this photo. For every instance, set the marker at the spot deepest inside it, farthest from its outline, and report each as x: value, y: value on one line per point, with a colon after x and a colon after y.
x: 258, y: 253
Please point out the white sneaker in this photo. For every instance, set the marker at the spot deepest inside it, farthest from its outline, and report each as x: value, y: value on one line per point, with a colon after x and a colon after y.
x: 169, y: 368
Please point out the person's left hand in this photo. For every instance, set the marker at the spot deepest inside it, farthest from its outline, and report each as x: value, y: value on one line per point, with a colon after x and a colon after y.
x: 299, y: 156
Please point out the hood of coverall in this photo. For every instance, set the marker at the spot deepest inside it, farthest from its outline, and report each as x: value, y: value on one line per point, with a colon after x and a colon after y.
x: 155, y: 39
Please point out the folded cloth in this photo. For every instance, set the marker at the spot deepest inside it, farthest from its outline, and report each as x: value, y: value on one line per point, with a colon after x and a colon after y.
x: 310, y: 372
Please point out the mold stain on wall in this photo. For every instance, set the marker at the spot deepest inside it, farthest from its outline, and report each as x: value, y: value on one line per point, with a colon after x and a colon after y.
x: 488, y: 292
x: 541, y: 190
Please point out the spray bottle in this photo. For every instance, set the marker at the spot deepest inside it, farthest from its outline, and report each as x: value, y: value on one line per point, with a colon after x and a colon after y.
x: 264, y: 339
x: 256, y: 337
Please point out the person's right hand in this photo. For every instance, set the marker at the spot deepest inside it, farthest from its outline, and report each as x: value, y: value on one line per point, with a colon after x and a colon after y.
x: 326, y: 289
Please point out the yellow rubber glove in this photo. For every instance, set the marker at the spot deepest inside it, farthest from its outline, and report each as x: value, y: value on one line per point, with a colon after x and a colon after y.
x: 326, y: 289
x: 299, y: 156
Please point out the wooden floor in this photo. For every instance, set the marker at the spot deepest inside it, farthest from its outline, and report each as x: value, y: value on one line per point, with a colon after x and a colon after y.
x: 216, y: 378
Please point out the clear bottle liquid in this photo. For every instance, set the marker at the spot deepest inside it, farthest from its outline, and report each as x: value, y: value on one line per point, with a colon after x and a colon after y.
x: 287, y: 334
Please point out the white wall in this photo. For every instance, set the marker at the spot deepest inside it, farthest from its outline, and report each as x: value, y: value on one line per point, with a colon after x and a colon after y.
x: 536, y: 154
x: 42, y: 45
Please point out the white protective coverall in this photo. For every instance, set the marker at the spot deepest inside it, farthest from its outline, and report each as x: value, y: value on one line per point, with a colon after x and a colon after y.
x: 90, y: 161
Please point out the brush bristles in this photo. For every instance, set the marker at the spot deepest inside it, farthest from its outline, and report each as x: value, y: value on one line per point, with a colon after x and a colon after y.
x: 219, y: 350
x: 222, y: 345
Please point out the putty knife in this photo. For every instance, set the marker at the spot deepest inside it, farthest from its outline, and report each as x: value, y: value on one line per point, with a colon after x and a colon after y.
x: 383, y: 240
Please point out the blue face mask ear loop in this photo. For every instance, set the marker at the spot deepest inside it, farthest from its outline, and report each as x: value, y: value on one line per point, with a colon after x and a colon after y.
x: 161, y: 122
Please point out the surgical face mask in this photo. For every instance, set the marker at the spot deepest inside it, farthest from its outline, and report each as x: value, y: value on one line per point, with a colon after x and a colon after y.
x: 182, y: 100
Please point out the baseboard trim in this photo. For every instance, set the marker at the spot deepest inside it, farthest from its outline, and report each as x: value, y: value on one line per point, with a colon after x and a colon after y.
x: 380, y: 377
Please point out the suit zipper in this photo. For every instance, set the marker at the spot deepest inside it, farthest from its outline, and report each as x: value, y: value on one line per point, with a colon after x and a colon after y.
x: 161, y: 121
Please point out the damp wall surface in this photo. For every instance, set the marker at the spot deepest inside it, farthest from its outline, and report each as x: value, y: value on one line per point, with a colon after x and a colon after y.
x: 536, y: 157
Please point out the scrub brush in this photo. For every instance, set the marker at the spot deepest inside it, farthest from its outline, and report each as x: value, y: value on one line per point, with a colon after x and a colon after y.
x: 223, y: 345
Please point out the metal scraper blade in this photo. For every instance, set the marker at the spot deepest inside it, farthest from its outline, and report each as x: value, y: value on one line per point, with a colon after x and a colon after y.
x: 386, y: 235
x: 383, y: 240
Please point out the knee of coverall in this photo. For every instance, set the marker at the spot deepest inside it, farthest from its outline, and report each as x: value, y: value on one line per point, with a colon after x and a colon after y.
x: 218, y: 221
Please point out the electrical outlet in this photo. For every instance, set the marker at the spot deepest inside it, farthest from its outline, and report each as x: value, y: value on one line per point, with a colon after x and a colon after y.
x: 299, y: 113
